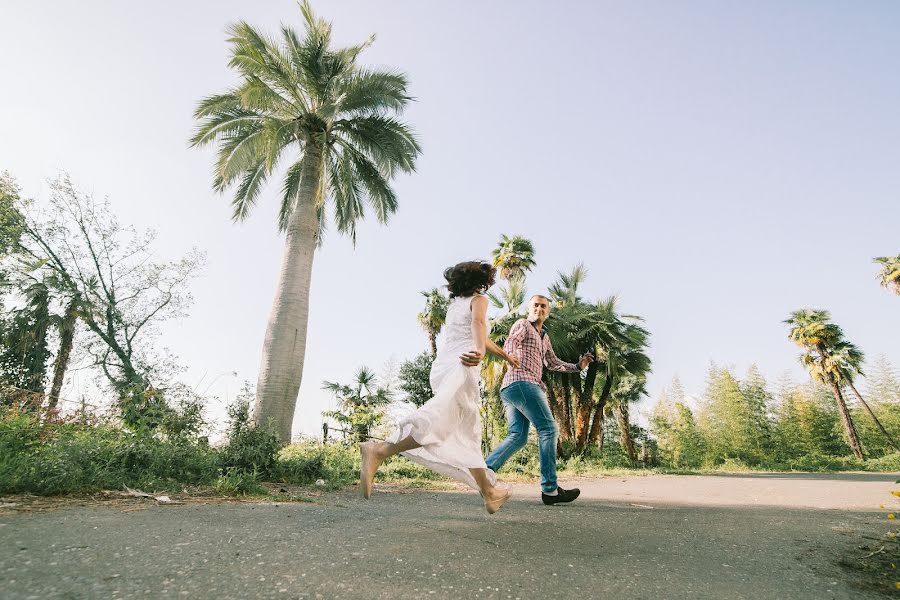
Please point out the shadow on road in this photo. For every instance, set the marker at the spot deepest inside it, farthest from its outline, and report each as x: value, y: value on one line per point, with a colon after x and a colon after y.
x: 888, y: 477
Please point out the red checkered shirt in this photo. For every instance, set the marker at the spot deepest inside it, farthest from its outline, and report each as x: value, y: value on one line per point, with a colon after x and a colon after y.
x: 534, y: 351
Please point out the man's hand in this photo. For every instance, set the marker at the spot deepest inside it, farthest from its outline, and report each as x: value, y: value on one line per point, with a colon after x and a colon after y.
x: 472, y: 358
x: 586, y: 359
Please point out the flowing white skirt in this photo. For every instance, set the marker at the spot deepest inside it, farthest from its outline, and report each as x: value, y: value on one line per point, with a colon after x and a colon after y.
x: 448, y: 426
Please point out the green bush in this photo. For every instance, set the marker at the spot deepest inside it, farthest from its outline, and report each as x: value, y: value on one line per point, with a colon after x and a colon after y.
x: 250, y: 448
x: 888, y: 462
x: 237, y: 482
x: 307, y: 462
x: 69, y: 457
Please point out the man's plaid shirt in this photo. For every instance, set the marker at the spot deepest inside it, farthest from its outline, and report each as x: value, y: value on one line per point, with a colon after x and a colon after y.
x: 534, y: 351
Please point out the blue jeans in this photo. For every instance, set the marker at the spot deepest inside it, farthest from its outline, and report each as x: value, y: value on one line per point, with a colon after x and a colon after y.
x: 526, y: 402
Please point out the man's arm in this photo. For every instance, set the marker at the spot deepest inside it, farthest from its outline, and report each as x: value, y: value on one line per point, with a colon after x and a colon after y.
x: 553, y: 362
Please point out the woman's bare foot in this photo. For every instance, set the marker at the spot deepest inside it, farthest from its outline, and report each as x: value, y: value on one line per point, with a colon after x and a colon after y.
x: 371, y: 460
x: 495, y: 499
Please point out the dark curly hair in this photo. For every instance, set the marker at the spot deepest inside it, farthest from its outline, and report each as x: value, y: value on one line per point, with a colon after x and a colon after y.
x: 469, y: 278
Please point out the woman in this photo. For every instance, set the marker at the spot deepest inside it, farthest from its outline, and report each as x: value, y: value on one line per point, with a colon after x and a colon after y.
x: 445, y: 433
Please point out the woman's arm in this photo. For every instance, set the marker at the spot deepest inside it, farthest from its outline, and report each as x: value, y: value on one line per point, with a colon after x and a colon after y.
x: 479, y: 323
x: 497, y: 350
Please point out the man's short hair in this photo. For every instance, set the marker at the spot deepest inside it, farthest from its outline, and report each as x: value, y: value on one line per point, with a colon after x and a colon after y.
x: 539, y: 296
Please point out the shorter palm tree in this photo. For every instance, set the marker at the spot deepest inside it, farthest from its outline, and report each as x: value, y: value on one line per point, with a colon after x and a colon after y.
x: 361, y: 403
x: 820, y: 340
x: 513, y: 256
x: 890, y: 272
x: 846, y: 361
x: 433, y: 316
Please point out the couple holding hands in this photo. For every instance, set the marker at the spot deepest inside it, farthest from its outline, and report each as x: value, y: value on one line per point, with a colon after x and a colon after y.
x: 444, y: 434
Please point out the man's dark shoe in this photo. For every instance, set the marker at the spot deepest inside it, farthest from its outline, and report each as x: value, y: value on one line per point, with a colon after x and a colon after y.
x: 561, y: 496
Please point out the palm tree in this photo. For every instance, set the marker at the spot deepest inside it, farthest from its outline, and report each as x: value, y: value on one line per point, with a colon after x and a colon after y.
x: 846, y: 360
x: 890, y: 272
x: 511, y: 297
x: 433, y: 316
x: 513, y: 256
x: 625, y: 358
x: 65, y: 325
x: 564, y: 291
x: 629, y: 389
x: 820, y: 339
x: 299, y: 95
x: 361, y: 403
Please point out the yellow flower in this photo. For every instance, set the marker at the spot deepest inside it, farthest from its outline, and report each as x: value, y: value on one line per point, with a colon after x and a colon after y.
x: 891, y: 516
x: 896, y: 493
x: 897, y: 585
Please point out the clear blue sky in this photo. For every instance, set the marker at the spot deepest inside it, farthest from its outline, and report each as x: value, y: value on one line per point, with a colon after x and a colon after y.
x: 716, y: 164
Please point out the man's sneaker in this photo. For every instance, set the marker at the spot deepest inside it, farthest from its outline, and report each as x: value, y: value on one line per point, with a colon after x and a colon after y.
x: 560, y: 496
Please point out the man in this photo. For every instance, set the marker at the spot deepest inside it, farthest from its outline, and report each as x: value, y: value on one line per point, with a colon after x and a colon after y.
x: 525, y: 397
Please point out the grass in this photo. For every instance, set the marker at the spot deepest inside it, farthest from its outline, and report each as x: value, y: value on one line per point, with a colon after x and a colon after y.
x: 73, y: 458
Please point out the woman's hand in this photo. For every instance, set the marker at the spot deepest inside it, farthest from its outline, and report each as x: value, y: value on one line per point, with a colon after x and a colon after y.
x: 513, y: 361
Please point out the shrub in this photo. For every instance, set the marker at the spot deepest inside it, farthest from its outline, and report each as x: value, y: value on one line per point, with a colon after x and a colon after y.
x: 888, y: 462
x: 237, y: 482
x: 307, y: 462
x: 250, y: 448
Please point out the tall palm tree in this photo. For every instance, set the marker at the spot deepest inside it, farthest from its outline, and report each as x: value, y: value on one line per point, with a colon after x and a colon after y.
x: 513, y: 256
x: 297, y: 95
x: 433, y: 316
x: 820, y: 339
x: 511, y: 296
x: 890, y: 272
x: 65, y: 324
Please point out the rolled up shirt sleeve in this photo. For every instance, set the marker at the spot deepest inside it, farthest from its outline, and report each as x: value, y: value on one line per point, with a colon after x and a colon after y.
x: 554, y: 363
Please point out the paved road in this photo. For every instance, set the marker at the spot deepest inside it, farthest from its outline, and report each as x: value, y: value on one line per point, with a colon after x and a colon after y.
x: 759, y: 536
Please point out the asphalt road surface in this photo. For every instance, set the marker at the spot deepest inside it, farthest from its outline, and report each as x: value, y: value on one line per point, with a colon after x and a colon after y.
x: 740, y: 536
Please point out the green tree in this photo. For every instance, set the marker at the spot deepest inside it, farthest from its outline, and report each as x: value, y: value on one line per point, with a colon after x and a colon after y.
x: 727, y: 421
x: 300, y: 95
x: 433, y: 316
x: 24, y: 348
x: 362, y: 403
x: 415, y: 379
x: 889, y: 276
x: 756, y: 408
x: 120, y: 290
x: 679, y: 441
x: 882, y: 382
x: 629, y: 390
x: 847, y: 362
x: 811, y: 330
x: 513, y: 256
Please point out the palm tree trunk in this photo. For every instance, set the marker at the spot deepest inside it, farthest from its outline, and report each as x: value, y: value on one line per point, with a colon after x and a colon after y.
x: 559, y: 412
x: 566, y: 402
x: 585, y: 400
x: 432, y: 339
x: 881, y: 428
x: 284, y: 347
x: 66, y: 340
x: 625, y: 429
x: 595, y: 437
x: 846, y: 420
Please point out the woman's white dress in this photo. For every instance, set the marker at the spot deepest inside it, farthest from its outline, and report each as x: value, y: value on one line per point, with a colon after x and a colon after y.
x: 449, y: 425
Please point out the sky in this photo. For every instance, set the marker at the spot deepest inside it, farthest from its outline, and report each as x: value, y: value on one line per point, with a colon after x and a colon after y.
x: 716, y: 165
